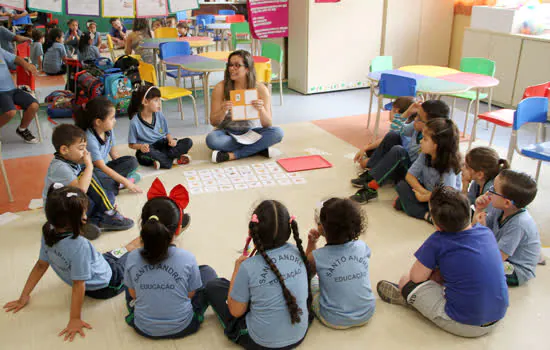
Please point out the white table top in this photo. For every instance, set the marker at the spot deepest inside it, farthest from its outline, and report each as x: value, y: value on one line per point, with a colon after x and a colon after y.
x: 226, y: 26
x: 220, y: 18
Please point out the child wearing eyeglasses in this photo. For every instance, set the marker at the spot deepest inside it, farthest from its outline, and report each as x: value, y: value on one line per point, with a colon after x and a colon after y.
x: 515, y: 230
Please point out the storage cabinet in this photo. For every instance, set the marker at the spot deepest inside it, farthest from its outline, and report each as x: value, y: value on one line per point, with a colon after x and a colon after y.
x: 521, y: 61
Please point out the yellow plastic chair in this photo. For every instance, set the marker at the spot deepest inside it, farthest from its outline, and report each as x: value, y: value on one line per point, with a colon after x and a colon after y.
x: 263, y: 72
x: 5, y: 174
x: 111, y: 47
x: 147, y: 73
x: 165, y: 32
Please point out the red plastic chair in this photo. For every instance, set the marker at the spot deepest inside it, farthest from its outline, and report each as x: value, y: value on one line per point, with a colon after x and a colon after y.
x: 24, y: 49
x: 505, y: 117
x: 235, y: 19
x: 25, y: 78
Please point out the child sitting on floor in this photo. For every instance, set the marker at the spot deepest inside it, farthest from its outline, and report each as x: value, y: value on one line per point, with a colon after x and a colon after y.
x: 398, y: 120
x: 118, y: 33
x: 72, y: 166
x: 514, y: 228
x: 481, y: 166
x: 438, y: 164
x: 148, y: 133
x: 36, y: 48
x: 97, y: 118
x: 267, y: 302
x: 397, y: 151
x: 342, y: 296
x: 73, y: 258
x: 457, y: 280
x: 54, y: 53
x: 95, y: 35
x: 86, y: 49
x: 72, y: 36
x: 177, y: 309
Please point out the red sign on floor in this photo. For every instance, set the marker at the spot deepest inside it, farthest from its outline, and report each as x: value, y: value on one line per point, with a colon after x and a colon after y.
x: 268, y: 18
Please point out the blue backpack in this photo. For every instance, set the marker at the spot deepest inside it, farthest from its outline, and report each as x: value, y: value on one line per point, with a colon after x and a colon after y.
x: 103, y: 63
x: 118, y: 90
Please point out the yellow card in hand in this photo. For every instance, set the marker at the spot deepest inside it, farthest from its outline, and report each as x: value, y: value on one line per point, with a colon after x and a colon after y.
x: 242, y: 104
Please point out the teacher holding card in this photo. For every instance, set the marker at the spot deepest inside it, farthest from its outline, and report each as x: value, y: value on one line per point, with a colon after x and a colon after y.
x: 241, y: 113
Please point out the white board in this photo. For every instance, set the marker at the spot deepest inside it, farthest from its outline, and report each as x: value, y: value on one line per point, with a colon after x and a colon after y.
x: 118, y: 8
x: 54, y: 6
x: 151, y: 8
x: 183, y: 5
x: 14, y: 4
x: 83, y: 7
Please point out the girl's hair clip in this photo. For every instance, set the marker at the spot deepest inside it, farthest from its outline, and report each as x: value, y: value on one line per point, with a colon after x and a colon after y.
x: 154, y: 217
x: 255, y: 219
x: 57, y: 185
x: 292, y: 218
x: 72, y: 194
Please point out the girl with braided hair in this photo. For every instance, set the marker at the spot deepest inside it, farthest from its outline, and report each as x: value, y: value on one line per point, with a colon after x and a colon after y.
x: 266, y: 305
x: 342, y: 293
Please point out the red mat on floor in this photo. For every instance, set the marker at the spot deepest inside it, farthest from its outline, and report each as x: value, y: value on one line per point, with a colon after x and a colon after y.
x: 353, y: 129
x: 26, y: 176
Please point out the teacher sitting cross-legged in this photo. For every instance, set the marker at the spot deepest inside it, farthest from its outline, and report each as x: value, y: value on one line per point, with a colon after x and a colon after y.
x: 234, y: 139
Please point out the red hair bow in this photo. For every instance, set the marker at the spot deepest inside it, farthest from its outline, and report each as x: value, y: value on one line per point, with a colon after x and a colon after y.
x: 178, y: 194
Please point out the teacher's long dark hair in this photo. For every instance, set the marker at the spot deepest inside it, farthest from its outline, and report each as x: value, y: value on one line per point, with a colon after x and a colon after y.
x: 248, y: 62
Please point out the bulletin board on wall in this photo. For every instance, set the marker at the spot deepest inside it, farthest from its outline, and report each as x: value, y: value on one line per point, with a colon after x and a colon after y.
x: 342, y: 38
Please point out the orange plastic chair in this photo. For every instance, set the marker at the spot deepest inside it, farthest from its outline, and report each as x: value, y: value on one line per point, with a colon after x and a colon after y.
x: 24, y: 49
x: 235, y: 19
x: 165, y: 32
x: 505, y: 117
x: 25, y: 78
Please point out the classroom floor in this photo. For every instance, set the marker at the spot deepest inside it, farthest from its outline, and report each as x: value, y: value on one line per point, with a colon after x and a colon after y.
x: 327, y: 123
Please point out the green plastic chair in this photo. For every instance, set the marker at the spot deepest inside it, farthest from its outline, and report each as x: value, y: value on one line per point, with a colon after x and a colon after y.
x: 239, y: 28
x: 379, y: 63
x: 275, y: 53
x: 477, y: 65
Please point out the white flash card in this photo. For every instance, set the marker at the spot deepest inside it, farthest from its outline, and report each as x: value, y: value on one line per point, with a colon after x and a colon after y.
x: 230, y: 169
x: 218, y: 171
x: 258, y: 166
x: 237, y: 180
x: 255, y: 184
x: 194, y: 184
x: 233, y: 175
x: 265, y: 177
x: 280, y: 176
x: 269, y: 183
x: 197, y: 190
x: 226, y: 188
x: 210, y: 183
x: 261, y: 171
x: 272, y: 165
x: 224, y: 182
x: 211, y: 189
x: 205, y: 171
x: 275, y: 170
x: 250, y: 178
x: 188, y: 173
x: 284, y: 182
x: 244, y: 167
x: 295, y: 175
x: 193, y: 178
x: 220, y: 176
x: 207, y: 177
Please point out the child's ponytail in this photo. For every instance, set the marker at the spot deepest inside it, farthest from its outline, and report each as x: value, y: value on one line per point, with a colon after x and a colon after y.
x: 160, y: 218
x: 445, y: 135
x: 65, y: 207
x: 98, y: 108
x: 294, y: 228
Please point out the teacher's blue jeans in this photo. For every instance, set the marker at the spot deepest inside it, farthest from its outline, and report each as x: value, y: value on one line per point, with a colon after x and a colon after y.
x: 220, y: 140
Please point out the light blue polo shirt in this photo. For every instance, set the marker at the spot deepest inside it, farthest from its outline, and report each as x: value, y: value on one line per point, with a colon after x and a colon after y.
x: 429, y: 177
x: 410, y: 139
x: 53, y: 58
x: 90, y: 53
x: 7, y: 62
x: 162, y: 303
x: 6, y: 39
x: 475, y: 190
x: 77, y: 260
x: 518, y: 237
x: 141, y: 132
x: 61, y: 171
x: 346, y: 293
x: 268, y: 320
x: 99, y: 149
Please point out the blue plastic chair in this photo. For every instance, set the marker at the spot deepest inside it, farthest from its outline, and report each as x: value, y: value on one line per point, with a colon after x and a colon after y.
x: 202, y: 21
x: 177, y: 48
x: 22, y: 21
x: 182, y: 16
x: 392, y: 86
x: 531, y: 110
x: 226, y: 12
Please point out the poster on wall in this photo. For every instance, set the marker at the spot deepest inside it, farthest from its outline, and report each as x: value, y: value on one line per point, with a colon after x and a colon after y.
x: 151, y: 8
x: 183, y: 5
x: 268, y: 18
x: 83, y: 7
x: 14, y: 4
x: 118, y: 8
x: 51, y: 6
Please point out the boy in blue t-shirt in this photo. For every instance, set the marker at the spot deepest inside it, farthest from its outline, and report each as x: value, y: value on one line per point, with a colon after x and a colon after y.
x: 72, y: 166
x: 118, y: 33
x: 457, y: 280
x: 515, y: 230
x: 10, y: 96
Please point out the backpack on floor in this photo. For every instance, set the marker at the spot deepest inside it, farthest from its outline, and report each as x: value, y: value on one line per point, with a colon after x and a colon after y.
x: 103, y: 63
x: 73, y: 67
x: 118, y: 89
x: 130, y: 67
x: 87, y: 87
x: 60, y: 104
